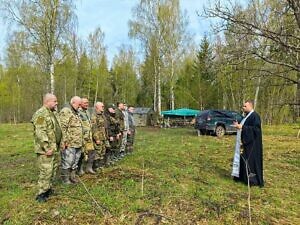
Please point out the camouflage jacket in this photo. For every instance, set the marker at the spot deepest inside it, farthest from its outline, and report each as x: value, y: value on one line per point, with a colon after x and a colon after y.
x: 71, y: 126
x: 99, y: 127
x: 47, y: 130
x: 113, y: 126
x: 86, y: 125
x: 120, y: 118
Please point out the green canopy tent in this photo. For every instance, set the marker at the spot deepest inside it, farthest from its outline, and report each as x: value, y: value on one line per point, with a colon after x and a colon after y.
x: 181, y: 112
x: 179, y: 117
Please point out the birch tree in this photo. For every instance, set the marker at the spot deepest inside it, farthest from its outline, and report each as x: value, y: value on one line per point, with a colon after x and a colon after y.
x: 47, y: 25
x: 161, y: 27
x: 176, y: 41
x: 98, y: 64
x: 147, y: 26
x: 274, y: 26
x: 124, y: 76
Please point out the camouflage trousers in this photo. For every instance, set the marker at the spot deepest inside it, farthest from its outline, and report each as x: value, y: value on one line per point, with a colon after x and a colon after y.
x: 47, y: 166
x: 88, y: 146
x: 70, y: 158
x: 100, y: 150
x: 112, y: 152
x: 115, y: 145
x: 123, y: 142
x: 130, y: 140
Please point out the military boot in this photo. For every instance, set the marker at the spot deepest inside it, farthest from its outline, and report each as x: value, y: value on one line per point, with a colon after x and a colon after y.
x: 65, y: 176
x: 122, y: 155
x: 89, y: 167
x: 95, y: 165
x: 114, y: 156
x: 90, y: 162
x: 109, y: 158
x: 73, y: 177
x: 80, y: 170
x: 49, y: 192
x: 102, y: 163
x: 41, y: 198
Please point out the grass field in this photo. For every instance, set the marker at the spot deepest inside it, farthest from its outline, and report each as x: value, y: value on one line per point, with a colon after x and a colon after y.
x: 173, y: 177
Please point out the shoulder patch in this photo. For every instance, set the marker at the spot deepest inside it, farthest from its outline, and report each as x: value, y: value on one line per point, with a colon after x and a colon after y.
x: 40, y: 120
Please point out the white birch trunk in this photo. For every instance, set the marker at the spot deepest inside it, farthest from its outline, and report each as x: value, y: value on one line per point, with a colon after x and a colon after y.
x: 172, y: 86
x: 96, y: 93
x: 159, y: 91
x: 155, y: 87
x: 172, y: 98
x: 256, y: 92
x: 52, y: 82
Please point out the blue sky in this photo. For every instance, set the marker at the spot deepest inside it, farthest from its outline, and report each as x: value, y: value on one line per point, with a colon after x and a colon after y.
x: 112, y: 17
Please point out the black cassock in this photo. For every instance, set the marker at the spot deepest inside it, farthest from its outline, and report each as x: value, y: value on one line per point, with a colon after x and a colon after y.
x: 252, y: 151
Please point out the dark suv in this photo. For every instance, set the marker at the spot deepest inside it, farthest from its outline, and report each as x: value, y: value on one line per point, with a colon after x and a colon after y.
x: 217, y: 122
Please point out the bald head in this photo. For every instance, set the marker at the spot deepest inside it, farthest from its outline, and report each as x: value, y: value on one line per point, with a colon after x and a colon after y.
x: 99, y: 107
x: 50, y: 101
x: 75, y: 102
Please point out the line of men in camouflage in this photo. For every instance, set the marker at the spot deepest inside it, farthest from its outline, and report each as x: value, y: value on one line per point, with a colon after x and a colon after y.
x: 82, y: 140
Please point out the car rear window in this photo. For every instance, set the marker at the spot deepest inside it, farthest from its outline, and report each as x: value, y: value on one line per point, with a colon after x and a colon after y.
x: 203, y: 115
x: 218, y: 114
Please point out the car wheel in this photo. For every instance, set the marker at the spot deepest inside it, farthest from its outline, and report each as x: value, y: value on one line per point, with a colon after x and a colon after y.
x: 220, y: 131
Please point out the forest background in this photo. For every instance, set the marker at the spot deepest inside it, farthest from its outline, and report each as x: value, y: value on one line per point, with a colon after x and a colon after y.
x: 254, y: 53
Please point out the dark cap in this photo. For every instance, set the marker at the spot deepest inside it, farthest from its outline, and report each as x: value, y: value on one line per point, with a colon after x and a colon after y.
x: 111, y: 105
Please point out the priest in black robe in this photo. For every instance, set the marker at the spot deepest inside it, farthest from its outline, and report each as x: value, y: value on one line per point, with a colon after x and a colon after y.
x: 251, y: 149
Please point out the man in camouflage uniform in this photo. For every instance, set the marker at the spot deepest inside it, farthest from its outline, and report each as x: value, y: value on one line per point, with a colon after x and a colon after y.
x: 120, y: 117
x: 99, y: 134
x: 88, y: 148
x: 47, y: 138
x: 131, y: 131
x: 72, y: 129
x: 114, y: 134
